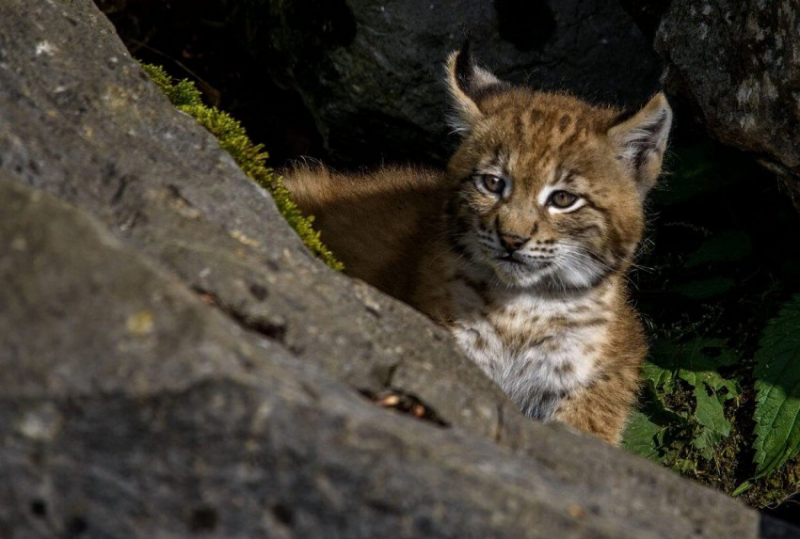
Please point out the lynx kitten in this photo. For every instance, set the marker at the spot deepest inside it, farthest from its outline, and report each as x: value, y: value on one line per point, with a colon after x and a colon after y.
x: 521, y: 247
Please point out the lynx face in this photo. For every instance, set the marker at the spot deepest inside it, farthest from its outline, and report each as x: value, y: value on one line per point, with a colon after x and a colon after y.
x: 550, y: 189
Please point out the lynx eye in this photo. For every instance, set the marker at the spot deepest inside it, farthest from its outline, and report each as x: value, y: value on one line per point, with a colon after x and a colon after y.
x: 562, y: 199
x: 493, y: 184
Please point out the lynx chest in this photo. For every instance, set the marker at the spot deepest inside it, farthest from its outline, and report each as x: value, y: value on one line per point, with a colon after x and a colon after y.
x: 538, y: 350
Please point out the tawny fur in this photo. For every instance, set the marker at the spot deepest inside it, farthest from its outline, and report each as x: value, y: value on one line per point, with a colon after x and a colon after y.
x: 533, y: 293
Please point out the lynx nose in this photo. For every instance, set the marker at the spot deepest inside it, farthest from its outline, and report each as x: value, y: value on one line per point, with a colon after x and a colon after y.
x: 512, y: 242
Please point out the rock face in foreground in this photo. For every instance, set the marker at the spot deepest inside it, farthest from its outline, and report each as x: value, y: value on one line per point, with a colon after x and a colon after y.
x: 173, y: 364
x: 738, y: 63
x: 371, y: 73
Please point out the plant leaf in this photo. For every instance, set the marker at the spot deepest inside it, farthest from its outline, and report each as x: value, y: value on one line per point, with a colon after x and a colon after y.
x: 700, y: 361
x: 648, y: 429
x: 662, y: 365
x: 741, y: 489
x: 709, y: 412
x: 695, y: 361
x: 640, y: 436
x: 705, y: 441
x: 710, y: 415
x: 778, y: 385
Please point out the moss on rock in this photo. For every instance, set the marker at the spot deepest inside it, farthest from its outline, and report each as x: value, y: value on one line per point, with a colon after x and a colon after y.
x: 250, y: 157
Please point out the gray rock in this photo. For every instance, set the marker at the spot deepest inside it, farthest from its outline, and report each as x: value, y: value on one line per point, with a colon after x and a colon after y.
x: 371, y: 72
x: 129, y: 408
x: 737, y: 64
x: 173, y: 363
x: 106, y: 140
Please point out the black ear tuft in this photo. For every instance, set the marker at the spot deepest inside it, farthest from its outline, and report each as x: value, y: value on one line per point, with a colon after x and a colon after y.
x: 468, y: 85
x: 464, y: 67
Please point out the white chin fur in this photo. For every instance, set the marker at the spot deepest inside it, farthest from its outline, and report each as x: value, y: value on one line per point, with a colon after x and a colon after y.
x: 569, y: 269
x: 520, y: 275
x: 561, y: 273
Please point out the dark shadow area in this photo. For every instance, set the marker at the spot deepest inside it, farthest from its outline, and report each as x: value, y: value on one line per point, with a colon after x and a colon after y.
x: 527, y: 25
x: 646, y: 14
x: 392, y: 141
x: 197, y: 40
x: 329, y: 21
x: 779, y: 528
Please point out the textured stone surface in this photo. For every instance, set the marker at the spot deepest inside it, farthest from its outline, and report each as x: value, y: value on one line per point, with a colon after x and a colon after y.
x: 371, y: 72
x: 738, y: 63
x: 172, y: 363
x: 129, y: 408
x: 80, y: 120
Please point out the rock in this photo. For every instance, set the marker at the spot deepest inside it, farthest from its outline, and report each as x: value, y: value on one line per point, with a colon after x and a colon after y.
x: 142, y: 412
x: 371, y: 73
x: 109, y: 142
x: 130, y: 408
x: 737, y: 64
x: 172, y: 362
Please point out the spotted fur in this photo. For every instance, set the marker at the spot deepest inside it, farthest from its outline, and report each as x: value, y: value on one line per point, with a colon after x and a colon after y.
x: 521, y: 247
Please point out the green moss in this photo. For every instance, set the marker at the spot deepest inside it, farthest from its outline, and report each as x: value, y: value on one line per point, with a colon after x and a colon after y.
x: 250, y: 157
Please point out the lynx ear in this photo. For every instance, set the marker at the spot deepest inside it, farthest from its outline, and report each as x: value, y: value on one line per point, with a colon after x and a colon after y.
x: 641, y: 140
x: 468, y: 83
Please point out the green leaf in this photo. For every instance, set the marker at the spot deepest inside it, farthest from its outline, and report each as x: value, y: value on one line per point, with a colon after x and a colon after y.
x: 640, y: 436
x: 649, y: 429
x: 710, y: 415
x: 709, y: 411
x: 700, y: 362
x: 704, y: 289
x: 660, y: 379
x: 705, y: 441
x: 778, y: 385
x: 685, y: 465
x: 741, y: 489
x: 730, y: 246
x: 695, y: 361
x: 706, y: 355
x: 661, y: 366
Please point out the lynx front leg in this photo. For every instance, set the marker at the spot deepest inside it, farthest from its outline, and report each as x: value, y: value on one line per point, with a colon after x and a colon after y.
x: 600, y: 409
